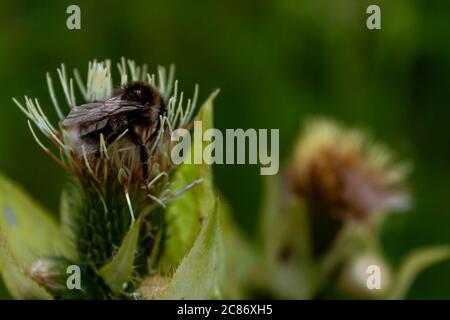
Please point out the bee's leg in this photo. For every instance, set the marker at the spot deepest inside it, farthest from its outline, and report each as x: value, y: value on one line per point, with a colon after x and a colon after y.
x: 115, y: 134
x: 154, y: 134
x: 144, y: 154
x: 111, y: 137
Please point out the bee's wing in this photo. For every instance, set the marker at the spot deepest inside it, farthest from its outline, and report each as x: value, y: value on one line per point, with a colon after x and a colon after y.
x: 97, y: 111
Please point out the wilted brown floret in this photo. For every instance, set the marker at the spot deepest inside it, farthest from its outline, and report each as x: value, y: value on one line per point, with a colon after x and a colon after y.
x: 342, y: 173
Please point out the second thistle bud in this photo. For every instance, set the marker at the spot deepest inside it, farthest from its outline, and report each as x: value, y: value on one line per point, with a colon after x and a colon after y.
x: 341, y: 173
x: 366, y: 276
x: 52, y: 274
x: 343, y: 177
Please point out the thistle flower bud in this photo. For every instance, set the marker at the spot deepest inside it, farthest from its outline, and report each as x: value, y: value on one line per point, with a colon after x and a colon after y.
x: 152, y: 287
x: 50, y: 273
x: 121, y: 166
x: 100, y: 160
x: 366, y: 276
x: 341, y: 173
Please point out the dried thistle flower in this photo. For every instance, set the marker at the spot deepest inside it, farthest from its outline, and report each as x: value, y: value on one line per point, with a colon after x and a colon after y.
x: 344, y: 174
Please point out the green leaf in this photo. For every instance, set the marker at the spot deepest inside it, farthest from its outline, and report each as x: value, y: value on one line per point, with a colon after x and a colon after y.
x: 415, y: 263
x: 69, y: 203
x: 18, y: 283
x: 205, y: 113
x: 119, y: 270
x: 288, y: 270
x: 4, y: 294
x: 27, y: 232
x: 198, y: 275
x: 240, y: 258
x: 185, y: 214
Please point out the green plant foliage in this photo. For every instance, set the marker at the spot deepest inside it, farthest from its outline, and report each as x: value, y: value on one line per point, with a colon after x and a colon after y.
x: 185, y: 215
x: 415, y: 263
x: 4, y: 294
x: 288, y: 270
x: 119, y: 270
x: 27, y: 232
x: 198, y: 275
x: 241, y: 256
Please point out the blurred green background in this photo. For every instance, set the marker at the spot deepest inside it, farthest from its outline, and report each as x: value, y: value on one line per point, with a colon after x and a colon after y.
x: 276, y: 62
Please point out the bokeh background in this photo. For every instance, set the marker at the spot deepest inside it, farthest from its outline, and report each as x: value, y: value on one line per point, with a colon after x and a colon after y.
x: 276, y: 62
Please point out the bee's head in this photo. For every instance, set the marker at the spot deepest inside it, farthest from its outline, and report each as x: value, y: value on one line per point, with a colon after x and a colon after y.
x: 141, y: 92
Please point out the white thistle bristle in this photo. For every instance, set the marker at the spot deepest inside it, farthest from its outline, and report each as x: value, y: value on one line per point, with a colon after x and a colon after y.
x: 130, y: 207
x: 86, y: 162
x: 157, y: 200
x: 53, y: 97
x: 162, y: 174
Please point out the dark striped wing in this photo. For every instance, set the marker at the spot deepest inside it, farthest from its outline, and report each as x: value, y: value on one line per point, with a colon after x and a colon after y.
x: 93, y: 112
